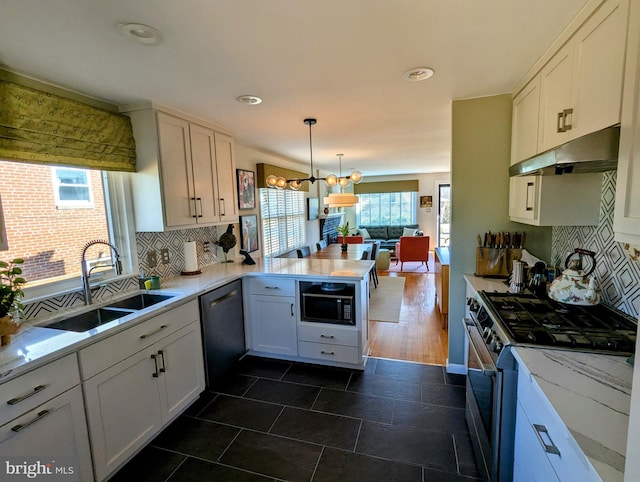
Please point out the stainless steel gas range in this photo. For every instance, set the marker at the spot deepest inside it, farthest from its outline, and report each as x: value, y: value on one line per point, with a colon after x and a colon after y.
x: 498, y: 321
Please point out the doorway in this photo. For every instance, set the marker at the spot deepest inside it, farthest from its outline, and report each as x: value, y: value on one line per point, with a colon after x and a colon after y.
x: 444, y: 214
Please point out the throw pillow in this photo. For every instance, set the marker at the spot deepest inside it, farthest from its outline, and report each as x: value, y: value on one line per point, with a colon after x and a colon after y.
x: 364, y: 233
x: 409, y: 231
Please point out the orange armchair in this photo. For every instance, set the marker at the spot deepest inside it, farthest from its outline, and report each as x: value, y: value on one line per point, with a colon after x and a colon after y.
x: 412, y: 248
x: 352, y: 240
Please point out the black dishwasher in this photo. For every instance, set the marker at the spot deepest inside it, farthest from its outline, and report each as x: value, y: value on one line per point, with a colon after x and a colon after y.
x: 222, y: 330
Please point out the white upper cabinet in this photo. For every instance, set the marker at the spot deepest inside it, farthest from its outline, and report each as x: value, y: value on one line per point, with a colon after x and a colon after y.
x: 525, y: 122
x: 626, y: 223
x: 580, y: 85
x: 184, y: 173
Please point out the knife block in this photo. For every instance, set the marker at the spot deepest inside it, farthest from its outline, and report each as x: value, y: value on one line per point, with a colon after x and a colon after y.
x: 496, y: 262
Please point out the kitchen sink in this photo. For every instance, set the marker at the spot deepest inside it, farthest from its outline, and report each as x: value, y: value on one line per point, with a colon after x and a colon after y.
x: 90, y: 319
x: 139, y: 302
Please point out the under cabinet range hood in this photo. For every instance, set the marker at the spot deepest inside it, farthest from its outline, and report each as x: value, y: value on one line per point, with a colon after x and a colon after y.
x: 595, y: 152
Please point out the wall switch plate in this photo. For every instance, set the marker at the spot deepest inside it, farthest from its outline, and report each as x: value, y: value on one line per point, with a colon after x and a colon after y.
x: 164, y: 254
x: 206, y: 246
x: 152, y: 258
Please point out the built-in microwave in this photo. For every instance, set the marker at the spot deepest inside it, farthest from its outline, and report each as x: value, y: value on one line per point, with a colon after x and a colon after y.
x: 328, y: 302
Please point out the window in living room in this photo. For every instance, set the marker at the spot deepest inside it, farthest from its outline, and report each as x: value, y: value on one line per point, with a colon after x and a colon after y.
x: 387, y: 208
x: 283, y: 220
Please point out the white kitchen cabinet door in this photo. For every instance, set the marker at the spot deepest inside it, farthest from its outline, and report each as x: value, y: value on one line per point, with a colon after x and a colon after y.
x: 57, y: 428
x: 523, y: 198
x: 524, y: 137
x: 555, y: 98
x: 226, y: 168
x: 272, y: 324
x: 626, y: 221
x: 599, y: 47
x: 530, y: 462
x: 123, y: 409
x: 177, y: 176
x: 204, y: 177
x: 181, y: 367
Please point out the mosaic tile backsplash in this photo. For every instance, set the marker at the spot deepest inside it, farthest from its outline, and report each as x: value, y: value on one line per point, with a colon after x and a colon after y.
x: 617, y: 269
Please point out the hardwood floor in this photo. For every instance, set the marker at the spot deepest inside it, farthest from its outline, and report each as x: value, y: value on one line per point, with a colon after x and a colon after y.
x: 419, y: 335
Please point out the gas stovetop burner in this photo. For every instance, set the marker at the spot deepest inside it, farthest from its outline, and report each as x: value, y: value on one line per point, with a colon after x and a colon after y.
x: 526, y: 319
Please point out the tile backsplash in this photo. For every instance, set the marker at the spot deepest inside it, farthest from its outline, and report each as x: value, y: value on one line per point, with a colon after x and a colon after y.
x: 174, y: 242
x: 617, y: 270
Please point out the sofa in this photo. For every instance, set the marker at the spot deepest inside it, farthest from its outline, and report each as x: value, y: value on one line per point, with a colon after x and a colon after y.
x: 387, y: 235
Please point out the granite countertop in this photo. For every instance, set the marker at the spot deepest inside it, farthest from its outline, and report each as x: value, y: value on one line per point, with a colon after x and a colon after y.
x: 37, y: 345
x: 443, y: 255
x: 591, y: 393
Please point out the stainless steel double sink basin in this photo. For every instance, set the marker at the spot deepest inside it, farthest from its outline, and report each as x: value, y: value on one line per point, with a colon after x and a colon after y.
x: 99, y: 316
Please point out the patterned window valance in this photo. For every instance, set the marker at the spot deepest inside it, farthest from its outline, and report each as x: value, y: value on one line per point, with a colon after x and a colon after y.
x: 265, y: 170
x: 44, y: 128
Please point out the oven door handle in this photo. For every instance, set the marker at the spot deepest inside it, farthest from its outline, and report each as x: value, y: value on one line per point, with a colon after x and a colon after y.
x: 480, y: 351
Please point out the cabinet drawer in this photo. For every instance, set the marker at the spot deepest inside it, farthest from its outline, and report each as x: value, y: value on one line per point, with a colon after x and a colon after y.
x: 568, y: 461
x: 36, y: 387
x: 329, y: 353
x: 116, y: 348
x: 272, y: 286
x: 328, y: 334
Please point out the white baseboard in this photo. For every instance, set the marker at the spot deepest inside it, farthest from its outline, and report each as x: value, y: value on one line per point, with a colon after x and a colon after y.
x: 456, y: 368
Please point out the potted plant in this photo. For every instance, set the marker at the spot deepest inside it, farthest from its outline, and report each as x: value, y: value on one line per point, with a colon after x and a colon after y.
x: 11, y: 294
x: 344, y: 231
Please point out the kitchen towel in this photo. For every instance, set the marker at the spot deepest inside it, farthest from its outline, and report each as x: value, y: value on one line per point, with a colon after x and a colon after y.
x: 190, y: 257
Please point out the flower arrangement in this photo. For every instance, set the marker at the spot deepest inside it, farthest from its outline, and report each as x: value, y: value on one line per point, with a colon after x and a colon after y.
x: 11, y: 294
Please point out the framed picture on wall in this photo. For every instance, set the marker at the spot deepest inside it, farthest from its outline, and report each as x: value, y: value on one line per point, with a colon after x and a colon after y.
x: 246, y: 189
x: 312, y: 208
x: 249, y: 233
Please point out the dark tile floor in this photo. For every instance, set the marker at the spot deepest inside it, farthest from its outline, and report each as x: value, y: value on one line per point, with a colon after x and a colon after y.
x: 274, y: 420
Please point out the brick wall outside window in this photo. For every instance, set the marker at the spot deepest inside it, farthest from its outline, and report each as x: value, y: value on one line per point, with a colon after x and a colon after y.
x: 48, y: 238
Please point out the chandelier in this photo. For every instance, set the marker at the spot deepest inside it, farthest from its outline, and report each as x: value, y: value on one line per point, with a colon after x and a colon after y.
x: 331, y: 180
x: 342, y: 199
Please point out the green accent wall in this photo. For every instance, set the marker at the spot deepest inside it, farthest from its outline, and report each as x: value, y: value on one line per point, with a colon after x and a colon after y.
x: 480, y: 158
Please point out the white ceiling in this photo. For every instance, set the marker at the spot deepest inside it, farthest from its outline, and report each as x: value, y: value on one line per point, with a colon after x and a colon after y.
x: 340, y: 61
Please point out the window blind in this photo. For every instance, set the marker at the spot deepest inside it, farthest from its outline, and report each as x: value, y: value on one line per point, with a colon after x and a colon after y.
x: 283, y: 220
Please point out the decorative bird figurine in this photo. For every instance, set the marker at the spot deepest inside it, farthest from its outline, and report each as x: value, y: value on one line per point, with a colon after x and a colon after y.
x: 227, y: 241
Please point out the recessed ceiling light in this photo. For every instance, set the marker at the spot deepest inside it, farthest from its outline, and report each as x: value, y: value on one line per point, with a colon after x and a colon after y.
x: 141, y: 33
x: 249, y: 99
x: 417, y: 74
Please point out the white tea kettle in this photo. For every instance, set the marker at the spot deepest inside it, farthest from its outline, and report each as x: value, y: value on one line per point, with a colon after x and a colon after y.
x: 574, y: 286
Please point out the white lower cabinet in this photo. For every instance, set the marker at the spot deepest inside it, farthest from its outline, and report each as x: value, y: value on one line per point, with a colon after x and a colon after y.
x: 544, y: 449
x: 329, y: 343
x: 53, y: 432
x: 273, y: 324
x: 130, y: 401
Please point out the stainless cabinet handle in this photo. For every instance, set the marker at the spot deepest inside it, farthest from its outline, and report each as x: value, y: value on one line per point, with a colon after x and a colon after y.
x: 199, y: 199
x: 327, y: 352
x: 567, y: 126
x: 22, y: 426
x: 15, y: 401
x: 147, y: 335
x: 550, y: 447
x: 163, y: 369
x: 195, y: 208
x: 221, y: 204
x: 291, y: 309
x: 560, y: 122
x: 271, y: 287
x: 529, y: 197
x: 155, y: 362
x: 326, y: 336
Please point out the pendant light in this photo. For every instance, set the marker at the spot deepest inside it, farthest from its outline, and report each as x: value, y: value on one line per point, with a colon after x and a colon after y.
x: 331, y: 180
x: 343, y: 199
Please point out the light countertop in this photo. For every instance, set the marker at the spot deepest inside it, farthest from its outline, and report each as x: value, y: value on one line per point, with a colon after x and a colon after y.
x: 443, y: 255
x: 36, y: 345
x: 590, y: 392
